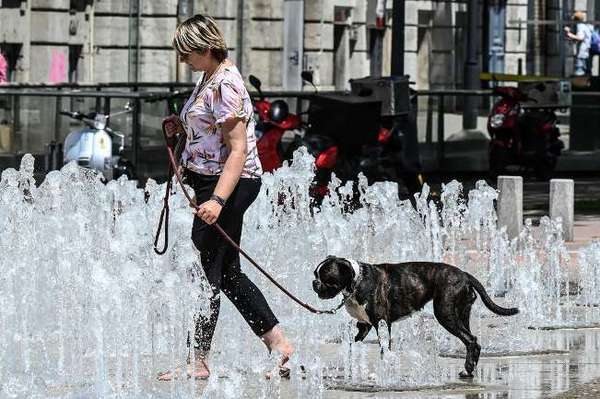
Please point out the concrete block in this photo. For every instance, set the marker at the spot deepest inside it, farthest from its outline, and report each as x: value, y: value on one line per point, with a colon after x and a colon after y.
x: 581, y: 4
x: 111, y: 65
x: 318, y: 36
x: 36, y: 131
x: 267, y: 9
x: 13, y: 28
x: 265, y: 65
x: 315, y: 10
x: 562, y: 204
x: 275, y: 69
x: 516, y: 12
x: 49, y: 64
x: 516, y: 41
x: 411, y: 42
x: 217, y: 8
x: 411, y: 11
x: 359, y: 13
x: 362, y: 38
x: 81, y: 29
x: 258, y: 65
x: 510, y: 204
x: 265, y: 34
x: 322, y: 65
x: 157, y: 31
x: 441, y: 67
x: 443, y: 13
x: 157, y: 66
x: 359, y: 65
x: 443, y: 39
x: 345, y: 3
x: 229, y: 30
x: 112, y: 6
x: 111, y: 30
x: 168, y: 7
x: 55, y: 4
x: 511, y: 62
x: 50, y: 26
x: 410, y: 64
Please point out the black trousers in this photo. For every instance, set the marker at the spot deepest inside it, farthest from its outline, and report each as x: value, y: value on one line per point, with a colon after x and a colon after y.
x: 221, y: 262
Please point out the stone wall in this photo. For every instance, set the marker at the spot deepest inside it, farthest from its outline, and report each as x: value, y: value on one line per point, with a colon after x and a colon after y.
x: 434, y: 40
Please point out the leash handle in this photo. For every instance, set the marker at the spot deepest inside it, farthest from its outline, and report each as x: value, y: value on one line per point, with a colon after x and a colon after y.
x: 174, y: 167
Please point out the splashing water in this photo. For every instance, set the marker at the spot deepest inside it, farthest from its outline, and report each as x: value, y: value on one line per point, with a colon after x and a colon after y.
x: 88, y: 308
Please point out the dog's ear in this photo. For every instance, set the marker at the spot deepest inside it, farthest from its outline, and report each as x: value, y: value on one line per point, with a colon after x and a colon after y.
x: 328, y: 259
x: 346, y: 273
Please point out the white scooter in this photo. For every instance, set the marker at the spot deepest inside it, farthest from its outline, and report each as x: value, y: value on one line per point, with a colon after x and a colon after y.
x: 92, y: 147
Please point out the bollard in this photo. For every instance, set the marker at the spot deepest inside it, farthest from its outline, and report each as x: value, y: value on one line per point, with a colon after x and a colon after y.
x: 57, y: 157
x: 51, y: 149
x: 562, y: 204
x: 510, y: 204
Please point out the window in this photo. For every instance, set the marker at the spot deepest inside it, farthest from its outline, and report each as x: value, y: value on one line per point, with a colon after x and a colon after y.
x: 11, y: 53
x: 74, y: 56
x: 79, y: 5
x: 10, y: 3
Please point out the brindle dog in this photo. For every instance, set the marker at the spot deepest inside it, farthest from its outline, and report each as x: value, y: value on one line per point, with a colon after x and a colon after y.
x: 391, y: 292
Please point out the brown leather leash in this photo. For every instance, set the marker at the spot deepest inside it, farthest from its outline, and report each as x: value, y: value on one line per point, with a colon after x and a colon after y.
x: 164, y: 217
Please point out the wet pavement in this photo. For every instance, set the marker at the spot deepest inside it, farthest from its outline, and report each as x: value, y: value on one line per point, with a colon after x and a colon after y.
x: 517, y: 375
x: 570, y: 372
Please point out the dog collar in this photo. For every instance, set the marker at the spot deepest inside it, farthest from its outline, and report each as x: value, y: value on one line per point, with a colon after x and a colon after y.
x: 357, y: 276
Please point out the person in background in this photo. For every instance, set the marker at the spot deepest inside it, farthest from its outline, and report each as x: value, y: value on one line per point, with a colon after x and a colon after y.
x: 3, y: 69
x: 583, y: 40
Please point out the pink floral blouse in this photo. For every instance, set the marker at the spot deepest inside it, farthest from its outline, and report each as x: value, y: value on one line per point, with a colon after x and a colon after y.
x: 223, y: 96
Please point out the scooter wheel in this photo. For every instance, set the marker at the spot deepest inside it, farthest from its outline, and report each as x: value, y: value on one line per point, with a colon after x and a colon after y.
x: 498, y: 161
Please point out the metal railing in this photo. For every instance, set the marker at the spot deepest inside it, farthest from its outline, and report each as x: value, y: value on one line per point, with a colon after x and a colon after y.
x: 105, y: 95
x: 141, y: 93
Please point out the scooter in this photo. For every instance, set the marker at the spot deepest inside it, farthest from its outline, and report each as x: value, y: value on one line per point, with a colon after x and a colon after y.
x: 375, y: 148
x: 275, y: 129
x: 92, y: 147
x: 525, y: 136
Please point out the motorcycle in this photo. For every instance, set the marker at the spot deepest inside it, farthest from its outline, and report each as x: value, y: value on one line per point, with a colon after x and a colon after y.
x: 525, y: 136
x: 92, y: 147
x: 275, y: 129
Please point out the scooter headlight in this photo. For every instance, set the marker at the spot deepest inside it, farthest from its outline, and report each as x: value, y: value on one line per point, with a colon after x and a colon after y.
x: 100, y: 122
x: 497, y: 120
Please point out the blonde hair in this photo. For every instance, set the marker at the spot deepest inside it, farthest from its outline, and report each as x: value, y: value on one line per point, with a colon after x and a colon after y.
x: 200, y: 33
x: 579, y: 16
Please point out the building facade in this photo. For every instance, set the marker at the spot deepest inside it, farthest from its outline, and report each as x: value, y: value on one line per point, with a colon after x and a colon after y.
x: 130, y: 40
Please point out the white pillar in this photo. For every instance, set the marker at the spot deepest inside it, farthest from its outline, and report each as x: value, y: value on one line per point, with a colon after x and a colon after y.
x: 562, y: 204
x: 293, y: 44
x: 510, y: 204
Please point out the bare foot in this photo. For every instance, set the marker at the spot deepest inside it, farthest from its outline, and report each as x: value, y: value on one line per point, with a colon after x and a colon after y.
x: 200, y: 372
x: 276, y: 341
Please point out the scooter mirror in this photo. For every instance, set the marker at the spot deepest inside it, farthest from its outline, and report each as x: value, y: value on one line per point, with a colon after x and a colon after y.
x: 254, y: 81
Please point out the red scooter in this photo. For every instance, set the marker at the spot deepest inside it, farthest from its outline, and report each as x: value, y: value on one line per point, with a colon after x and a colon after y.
x: 522, y: 135
x: 274, y: 120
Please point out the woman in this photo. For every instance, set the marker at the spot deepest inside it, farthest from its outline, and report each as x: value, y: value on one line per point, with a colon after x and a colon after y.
x: 222, y: 166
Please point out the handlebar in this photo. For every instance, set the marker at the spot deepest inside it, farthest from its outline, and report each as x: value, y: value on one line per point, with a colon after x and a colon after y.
x: 74, y: 115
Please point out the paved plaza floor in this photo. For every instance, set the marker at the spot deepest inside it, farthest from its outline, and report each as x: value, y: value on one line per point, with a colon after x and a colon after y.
x: 570, y: 371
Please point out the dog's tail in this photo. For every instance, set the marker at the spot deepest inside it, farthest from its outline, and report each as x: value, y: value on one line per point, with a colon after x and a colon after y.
x: 488, y: 301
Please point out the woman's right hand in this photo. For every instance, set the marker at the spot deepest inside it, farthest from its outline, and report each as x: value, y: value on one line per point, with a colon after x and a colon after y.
x: 173, y: 125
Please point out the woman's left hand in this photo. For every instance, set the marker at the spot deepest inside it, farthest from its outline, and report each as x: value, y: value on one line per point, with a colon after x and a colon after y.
x: 209, y: 211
